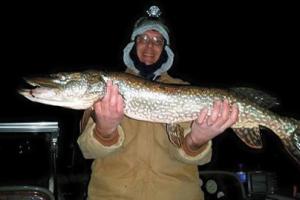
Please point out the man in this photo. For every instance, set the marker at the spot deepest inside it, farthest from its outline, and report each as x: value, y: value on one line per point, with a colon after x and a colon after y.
x: 136, y: 159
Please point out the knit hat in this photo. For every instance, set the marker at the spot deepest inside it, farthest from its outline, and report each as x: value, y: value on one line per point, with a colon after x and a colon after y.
x: 151, y: 22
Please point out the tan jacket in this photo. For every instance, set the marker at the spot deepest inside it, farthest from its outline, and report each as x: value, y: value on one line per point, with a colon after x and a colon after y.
x: 142, y: 164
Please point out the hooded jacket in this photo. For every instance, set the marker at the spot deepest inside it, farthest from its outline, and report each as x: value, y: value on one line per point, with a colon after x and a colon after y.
x: 141, y: 163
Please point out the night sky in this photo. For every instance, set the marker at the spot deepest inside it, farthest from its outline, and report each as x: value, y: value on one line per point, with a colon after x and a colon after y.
x: 220, y: 45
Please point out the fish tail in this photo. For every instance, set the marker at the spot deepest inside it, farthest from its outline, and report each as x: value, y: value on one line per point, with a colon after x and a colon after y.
x: 292, y: 143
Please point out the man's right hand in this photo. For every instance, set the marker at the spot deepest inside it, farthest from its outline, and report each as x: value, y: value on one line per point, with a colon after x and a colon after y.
x: 109, y: 111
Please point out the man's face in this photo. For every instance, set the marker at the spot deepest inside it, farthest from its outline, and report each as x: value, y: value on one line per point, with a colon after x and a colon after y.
x: 149, y: 46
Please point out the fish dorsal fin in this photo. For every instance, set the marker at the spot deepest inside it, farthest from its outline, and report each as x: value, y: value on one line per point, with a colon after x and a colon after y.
x: 261, y: 98
x: 250, y: 136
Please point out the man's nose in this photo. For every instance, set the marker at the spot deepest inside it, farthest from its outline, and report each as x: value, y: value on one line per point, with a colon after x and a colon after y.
x: 150, y: 43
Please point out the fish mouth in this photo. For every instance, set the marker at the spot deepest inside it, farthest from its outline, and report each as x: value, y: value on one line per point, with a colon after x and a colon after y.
x: 26, y: 92
x: 37, y: 92
x: 45, y: 82
x: 37, y: 86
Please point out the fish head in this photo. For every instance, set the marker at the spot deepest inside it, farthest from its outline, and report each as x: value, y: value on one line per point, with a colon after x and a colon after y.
x: 75, y: 90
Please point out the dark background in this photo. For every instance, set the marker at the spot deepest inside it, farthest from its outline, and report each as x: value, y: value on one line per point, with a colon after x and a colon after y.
x: 222, y: 45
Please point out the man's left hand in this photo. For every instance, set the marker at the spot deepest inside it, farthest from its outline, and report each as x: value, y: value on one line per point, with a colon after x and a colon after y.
x: 206, y: 127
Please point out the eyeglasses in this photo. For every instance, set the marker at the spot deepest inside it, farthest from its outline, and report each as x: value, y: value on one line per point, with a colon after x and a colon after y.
x: 145, y: 39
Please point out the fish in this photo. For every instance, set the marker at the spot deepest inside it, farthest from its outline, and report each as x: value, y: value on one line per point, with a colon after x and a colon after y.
x: 167, y: 103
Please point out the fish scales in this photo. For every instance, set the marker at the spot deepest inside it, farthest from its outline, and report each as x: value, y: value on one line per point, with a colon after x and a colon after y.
x: 165, y: 103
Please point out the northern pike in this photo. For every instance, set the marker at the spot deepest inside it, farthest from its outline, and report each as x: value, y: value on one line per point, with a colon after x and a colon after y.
x: 166, y: 103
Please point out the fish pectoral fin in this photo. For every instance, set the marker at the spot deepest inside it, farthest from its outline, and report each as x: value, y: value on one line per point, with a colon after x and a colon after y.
x: 176, y: 134
x: 250, y: 136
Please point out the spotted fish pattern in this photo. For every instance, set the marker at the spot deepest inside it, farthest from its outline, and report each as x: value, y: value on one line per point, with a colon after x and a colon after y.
x: 163, y: 103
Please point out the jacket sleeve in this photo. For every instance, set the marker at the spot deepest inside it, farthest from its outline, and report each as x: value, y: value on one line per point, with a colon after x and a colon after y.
x: 90, y: 147
x: 199, y: 157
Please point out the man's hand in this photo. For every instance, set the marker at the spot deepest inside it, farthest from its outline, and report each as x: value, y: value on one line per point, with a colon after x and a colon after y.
x: 109, y: 111
x: 206, y: 127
